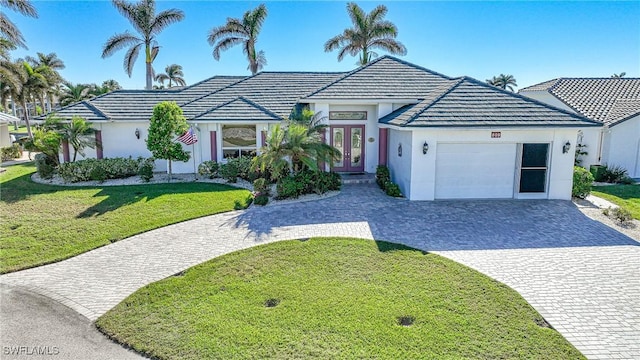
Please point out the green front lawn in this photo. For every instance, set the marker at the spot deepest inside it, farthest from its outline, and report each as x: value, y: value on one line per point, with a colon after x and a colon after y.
x: 43, y: 223
x: 627, y: 196
x: 336, y: 298
x: 21, y: 129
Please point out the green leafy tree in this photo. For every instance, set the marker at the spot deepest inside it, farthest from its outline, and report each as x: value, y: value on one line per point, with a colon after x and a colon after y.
x: 47, y: 142
x: 503, y: 82
x: 143, y: 18
x: 79, y: 134
x: 110, y: 85
x: 369, y: 31
x: 173, y: 74
x: 243, y: 31
x: 167, y: 122
x: 26, y: 84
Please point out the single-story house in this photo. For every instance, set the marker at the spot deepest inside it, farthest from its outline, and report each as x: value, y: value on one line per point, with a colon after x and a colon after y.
x: 614, y: 102
x: 441, y: 137
x: 5, y: 136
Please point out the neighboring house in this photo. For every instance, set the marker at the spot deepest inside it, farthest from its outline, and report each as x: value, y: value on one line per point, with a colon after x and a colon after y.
x: 442, y: 137
x: 5, y: 136
x: 613, y: 102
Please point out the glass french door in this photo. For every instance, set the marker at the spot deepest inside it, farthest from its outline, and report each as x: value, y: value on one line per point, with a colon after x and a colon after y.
x: 349, y: 139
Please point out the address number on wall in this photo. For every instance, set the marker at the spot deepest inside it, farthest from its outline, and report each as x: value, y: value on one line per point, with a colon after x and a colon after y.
x: 496, y: 134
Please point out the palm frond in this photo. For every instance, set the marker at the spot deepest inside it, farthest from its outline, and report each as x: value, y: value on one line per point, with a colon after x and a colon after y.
x: 24, y: 7
x: 390, y: 45
x: 130, y: 58
x: 377, y: 14
x: 166, y: 18
x: 10, y: 32
x: 225, y: 31
x: 224, y: 45
x: 118, y: 42
x: 334, y: 43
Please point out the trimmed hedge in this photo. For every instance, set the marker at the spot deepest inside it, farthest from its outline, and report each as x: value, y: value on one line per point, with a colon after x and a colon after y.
x: 307, y: 182
x: 383, y: 178
x: 582, y: 181
x: 11, y: 152
x: 103, y: 169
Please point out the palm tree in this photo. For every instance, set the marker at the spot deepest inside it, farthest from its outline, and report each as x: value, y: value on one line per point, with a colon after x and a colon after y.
x: 369, y: 31
x: 619, y: 76
x: 503, y: 81
x: 52, y: 64
x: 74, y: 93
x: 245, y: 32
x: 26, y: 84
x: 9, y: 32
x: 299, y: 141
x: 79, y: 134
x: 110, y: 85
x: 142, y: 15
x: 174, y: 74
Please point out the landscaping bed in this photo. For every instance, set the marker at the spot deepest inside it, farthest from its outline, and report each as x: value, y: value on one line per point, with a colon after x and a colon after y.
x: 627, y: 196
x: 46, y: 223
x: 332, y: 298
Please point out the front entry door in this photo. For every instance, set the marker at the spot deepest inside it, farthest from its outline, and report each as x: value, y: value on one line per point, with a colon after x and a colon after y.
x: 349, y: 139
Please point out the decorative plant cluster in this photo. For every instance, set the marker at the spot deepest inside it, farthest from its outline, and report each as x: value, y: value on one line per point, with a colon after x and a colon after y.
x: 580, y: 152
x: 104, y: 169
x: 261, y: 191
x: 614, y: 174
x: 621, y: 214
x: 11, y: 152
x: 582, y: 181
x: 383, y: 178
x: 209, y: 168
x: 307, y: 182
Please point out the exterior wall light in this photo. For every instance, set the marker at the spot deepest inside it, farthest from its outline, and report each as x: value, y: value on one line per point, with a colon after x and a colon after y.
x: 400, y: 150
x: 425, y: 148
x: 566, y: 147
x: 137, y: 133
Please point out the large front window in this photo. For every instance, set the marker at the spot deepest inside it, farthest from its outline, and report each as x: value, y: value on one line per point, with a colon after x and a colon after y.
x: 238, y: 140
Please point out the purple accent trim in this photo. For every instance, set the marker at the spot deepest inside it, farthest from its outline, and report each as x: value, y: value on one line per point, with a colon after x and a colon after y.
x: 383, y: 138
x: 99, y: 150
x: 214, y: 146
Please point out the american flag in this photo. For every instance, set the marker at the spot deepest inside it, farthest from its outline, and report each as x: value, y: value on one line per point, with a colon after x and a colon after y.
x: 189, y: 137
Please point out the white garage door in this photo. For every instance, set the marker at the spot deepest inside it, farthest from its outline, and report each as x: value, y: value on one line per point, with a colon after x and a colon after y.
x: 475, y: 171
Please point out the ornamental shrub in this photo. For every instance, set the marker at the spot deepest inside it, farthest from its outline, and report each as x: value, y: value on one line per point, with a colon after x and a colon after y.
x: 288, y: 187
x: 261, y: 186
x: 243, y: 166
x: 582, y: 181
x: 146, y: 169
x: 11, y: 152
x: 44, y: 167
x: 229, y: 171
x: 261, y: 200
x: 392, y: 189
x: 614, y: 174
x: 209, y: 168
x: 100, y: 169
x: 621, y: 214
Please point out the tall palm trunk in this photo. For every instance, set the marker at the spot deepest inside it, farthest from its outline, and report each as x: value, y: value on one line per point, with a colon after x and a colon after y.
x: 26, y: 117
x: 149, y: 68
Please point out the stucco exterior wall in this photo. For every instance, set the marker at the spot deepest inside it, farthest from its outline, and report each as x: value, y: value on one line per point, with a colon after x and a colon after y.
x: 621, y: 146
x: 401, y: 166
x: 422, y: 167
x: 5, y: 138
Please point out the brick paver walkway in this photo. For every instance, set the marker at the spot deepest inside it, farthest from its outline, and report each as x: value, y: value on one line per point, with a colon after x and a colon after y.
x: 582, y: 276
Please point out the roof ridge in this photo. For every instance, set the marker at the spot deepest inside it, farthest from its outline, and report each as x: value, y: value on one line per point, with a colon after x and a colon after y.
x: 218, y: 90
x: 240, y: 98
x: 375, y: 61
x: 354, y: 71
x: 456, y: 83
x: 207, y: 79
x: 530, y: 100
x: 556, y: 80
x: 96, y: 108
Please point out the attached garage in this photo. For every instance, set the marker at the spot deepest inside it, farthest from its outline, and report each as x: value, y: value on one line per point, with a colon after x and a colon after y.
x: 475, y: 171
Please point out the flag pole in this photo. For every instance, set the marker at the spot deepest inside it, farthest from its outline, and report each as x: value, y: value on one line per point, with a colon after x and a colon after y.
x: 193, y: 151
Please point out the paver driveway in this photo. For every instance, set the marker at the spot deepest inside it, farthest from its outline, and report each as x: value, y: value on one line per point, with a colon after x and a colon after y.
x: 582, y: 276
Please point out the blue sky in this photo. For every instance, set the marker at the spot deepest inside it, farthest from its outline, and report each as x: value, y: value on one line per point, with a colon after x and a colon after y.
x: 534, y: 41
